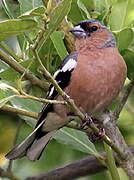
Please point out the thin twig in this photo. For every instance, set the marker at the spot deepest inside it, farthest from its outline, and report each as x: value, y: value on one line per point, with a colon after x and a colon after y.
x: 17, y: 110
x: 43, y: 100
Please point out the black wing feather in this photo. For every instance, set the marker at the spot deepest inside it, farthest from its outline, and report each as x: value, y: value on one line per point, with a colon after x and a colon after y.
x: 63, y: 79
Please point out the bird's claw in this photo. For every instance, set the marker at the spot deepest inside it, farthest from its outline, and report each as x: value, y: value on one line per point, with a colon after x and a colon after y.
x: 93, y: 137
x: 86, y: 121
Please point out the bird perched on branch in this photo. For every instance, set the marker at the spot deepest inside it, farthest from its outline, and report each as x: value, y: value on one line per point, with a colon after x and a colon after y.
x: 92, y: 76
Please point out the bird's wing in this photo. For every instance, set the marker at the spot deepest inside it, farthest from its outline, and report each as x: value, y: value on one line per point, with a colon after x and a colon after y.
x: 62, y: 76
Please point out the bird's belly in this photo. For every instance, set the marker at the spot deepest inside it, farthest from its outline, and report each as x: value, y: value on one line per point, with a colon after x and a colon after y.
x: 94, y: 90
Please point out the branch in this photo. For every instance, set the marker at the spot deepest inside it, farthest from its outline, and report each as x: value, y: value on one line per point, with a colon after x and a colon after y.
x: 43, y: 100
x: 124, y: 98
x: 19, y: 68
x: 108, y: 119
x: 83, y: 167
x: 21, y: 111
x: 5, y: 174
x: 5, y: 47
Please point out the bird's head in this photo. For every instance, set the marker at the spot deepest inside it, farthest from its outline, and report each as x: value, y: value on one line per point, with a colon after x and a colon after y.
x: 95, y: 33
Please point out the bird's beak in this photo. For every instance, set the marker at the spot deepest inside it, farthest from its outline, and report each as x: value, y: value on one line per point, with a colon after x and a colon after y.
x: 78, y: 31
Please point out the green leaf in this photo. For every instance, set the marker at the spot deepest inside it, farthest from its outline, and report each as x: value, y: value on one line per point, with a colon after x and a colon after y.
x: 124, y: 38
x: 89, y: 4
x: 122, y: 14
x: 100, y: 6
x: 57, y: 39
x: 29, y: 105
x: 76, y: 139
x: 75, y: 14
x: 5, y: 100
x: 11, y: 75
x: 7, y: 92
x: 56, y: 16
x: 3, y: 66
x: 83, y: 8
x: 11, y: 8
x: 128, y: 55
x: 26, y: 5
x: 6, y: 87
x: 39, y: 11
x: 16, y: 26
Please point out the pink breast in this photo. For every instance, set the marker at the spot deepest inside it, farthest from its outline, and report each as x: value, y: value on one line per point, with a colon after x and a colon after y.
x: 96, y: 82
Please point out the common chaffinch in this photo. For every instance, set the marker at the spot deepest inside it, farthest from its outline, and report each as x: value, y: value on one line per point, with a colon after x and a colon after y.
x: 92, y: 76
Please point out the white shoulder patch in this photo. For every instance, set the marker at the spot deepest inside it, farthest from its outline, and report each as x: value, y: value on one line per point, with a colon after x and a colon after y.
x: 51, y: 91
x: 71, y: 64
x: 57, y: 72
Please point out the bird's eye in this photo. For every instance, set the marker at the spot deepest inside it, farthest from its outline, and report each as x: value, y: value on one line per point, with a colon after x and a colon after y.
x: 94, y: 28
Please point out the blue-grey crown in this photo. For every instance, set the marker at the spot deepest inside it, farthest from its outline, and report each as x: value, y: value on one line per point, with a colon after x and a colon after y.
x: 110, y: 42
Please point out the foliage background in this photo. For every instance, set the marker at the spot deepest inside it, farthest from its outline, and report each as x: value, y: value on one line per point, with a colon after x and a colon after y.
x: 118, y: 15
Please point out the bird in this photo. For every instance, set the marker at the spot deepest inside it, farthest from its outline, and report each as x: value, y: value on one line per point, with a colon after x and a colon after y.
x: 92, y: 75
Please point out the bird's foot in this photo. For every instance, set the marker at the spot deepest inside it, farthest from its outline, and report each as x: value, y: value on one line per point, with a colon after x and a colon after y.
x: 85, y: 122
x: 93, y: 137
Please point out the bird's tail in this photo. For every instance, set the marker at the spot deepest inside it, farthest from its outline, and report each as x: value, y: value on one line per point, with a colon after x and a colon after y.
x: 32, y: 147
x: 34, y: 144
x: 34, y: 152
x: 20, y: 150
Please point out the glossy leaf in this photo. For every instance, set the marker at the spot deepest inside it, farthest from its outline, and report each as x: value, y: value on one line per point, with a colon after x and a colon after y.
x: 6, y: 87
x: 15, y: 27
x: 122, y: 14
x: 89, y: 4
x: 28, y: 5
x: 124, y: 38
x: 100, y: 6
x: 29, y: 105
x: 5, y: 100
x: 128, y: 55
x: 39, y: 11
x: 75, y: 139
x: 83, y: 8
x: 11, y: 75
x: 3, y: 66
x: 11, y: 8
x: 7, y: 92
x: 57, y: 39
x: 75, y: 14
